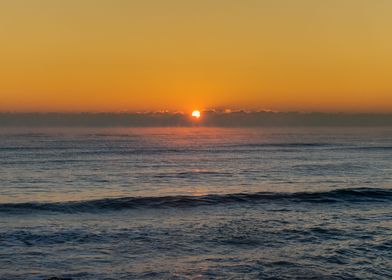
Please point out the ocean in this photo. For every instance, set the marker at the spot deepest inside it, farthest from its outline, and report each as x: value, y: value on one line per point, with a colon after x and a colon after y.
x: 196, y: 203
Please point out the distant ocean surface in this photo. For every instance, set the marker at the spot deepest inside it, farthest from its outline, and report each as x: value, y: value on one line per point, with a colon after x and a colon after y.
x: 196, y: 203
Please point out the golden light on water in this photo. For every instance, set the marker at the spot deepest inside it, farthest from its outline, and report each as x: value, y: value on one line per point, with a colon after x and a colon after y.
x: 196, y: 114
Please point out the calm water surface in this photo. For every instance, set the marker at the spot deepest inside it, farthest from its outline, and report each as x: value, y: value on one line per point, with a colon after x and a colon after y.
x: 196, y: 203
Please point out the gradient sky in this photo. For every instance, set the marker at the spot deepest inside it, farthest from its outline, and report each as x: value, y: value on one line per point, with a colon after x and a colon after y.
x: 113, y: 55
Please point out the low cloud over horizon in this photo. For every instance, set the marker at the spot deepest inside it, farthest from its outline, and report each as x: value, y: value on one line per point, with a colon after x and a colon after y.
x: 224, y: 118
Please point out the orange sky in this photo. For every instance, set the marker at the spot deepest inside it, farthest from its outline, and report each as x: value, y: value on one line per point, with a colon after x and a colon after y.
x: 112, y: 55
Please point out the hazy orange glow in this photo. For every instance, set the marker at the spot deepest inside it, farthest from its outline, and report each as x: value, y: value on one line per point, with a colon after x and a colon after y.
x: 196, y: 114
x: 99, y: 55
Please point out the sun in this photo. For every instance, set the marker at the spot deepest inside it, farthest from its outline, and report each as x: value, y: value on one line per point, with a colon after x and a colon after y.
x: 196, y: 114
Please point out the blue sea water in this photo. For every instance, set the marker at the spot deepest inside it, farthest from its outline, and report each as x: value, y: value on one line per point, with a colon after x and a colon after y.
x: 196, y: 203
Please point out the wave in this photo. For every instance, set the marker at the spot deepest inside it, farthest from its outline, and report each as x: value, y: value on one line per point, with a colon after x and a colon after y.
x: 371, y: 148
x: 356, y: 195
x: 282, y: 145
x: 339, y: 146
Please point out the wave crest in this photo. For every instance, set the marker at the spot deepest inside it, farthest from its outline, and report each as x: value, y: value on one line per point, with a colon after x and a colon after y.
x: 335, y: 196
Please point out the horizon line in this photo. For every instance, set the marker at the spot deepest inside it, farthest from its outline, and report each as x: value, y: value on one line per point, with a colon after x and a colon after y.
x: 217, y: 111
x: 208, y: 118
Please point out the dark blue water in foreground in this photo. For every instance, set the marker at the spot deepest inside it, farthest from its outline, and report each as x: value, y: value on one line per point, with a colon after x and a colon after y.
x: 196, y: 203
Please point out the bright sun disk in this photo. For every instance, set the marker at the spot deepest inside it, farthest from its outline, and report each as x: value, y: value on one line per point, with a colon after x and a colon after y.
x: 196, y: 114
